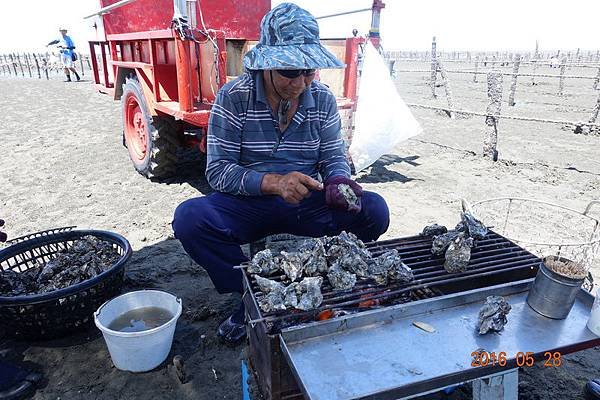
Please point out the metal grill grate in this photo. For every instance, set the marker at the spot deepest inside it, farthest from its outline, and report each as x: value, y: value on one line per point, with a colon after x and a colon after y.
x: 494, y: 260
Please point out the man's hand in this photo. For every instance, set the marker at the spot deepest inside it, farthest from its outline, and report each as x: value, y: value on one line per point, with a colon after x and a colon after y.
x: 335, y: 198
x: 3, y: 235
x: 292, y: 187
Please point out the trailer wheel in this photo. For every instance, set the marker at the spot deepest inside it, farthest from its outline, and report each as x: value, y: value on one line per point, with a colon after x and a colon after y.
x: 150, y: 140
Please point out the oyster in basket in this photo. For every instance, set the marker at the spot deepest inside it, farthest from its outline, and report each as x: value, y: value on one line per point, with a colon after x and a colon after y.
x: 458, y: 254
x: 492, y: 315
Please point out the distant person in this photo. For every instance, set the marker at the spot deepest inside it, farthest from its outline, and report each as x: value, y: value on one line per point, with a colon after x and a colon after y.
x: 66, y: 46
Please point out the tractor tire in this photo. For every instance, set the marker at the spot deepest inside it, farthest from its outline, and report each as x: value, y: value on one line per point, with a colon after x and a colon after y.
x: 152, y: 141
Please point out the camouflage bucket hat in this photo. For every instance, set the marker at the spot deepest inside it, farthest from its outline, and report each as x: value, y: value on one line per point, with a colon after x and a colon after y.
x: 289, y: 39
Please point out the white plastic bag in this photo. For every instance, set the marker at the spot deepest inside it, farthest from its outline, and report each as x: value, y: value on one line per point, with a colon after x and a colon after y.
x: 382, y: 119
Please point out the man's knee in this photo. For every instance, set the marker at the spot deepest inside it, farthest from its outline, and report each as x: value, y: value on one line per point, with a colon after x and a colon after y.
x: 376, y: 211
x: 188, y: 217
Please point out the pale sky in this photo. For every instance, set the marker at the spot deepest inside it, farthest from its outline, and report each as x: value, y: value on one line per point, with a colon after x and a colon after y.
x: 405, y: 24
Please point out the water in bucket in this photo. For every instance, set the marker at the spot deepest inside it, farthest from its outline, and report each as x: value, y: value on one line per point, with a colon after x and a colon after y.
x: 140, y: 319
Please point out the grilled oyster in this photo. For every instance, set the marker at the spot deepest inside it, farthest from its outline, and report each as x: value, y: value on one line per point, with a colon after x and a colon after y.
x: 313, y: 256
x: 292, y: 264
x: 340, y: 279
x: 492, y: 315
x: 441, y: 242
x: 311, y: 293
x: 272, y: 301
x: 434, y: 230
x: 263, y: 263
x: 458, y: 254
x: 268, y: 285
x: 471, y: 226
x: 389, y: 266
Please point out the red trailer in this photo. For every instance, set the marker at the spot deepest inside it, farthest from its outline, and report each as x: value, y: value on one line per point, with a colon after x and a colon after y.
x: 166, y: 72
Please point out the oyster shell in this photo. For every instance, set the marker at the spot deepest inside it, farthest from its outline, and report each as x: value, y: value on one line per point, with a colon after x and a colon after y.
x: 471, y: 226
x: 291, y: 293
x: 441, y: 242
x: 271, y: 302
x: 340, y: 279
x: 344, y: 243
x: 348, y: 194
x: 311, y: 293
x: 354, y: 263
x: 263, y: 263
x: 267, y: 285
x: 85, y: 259
x: 389, y: 266
x: 313, y: 256
x: 292, y: 264
x: 434, y: 230
x: 492, y: 315
x: 458, y: 254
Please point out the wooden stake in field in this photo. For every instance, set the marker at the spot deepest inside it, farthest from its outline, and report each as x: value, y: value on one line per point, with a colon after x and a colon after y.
x: 513, y: 85
x: 433, y: 67
x: 490, y: 141
x: 536, y: 58
x: 595, y: 112
x: 561, y: 82
x: 37, y: 65
x: 597, y: 80
x: 45, y: 60
x: 26, y: 56
x: 476, y: 66
x: 14, y: 64
x: 446, y: 84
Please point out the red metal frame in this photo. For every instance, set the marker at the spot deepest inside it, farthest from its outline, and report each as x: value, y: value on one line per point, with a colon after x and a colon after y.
x: 175, y: 79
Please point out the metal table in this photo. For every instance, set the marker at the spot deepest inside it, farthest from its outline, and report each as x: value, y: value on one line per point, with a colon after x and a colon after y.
x: 380, y: 354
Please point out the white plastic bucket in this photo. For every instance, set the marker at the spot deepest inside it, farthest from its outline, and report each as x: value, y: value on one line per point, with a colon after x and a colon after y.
x: 138, y: 351
x: 593, y: 323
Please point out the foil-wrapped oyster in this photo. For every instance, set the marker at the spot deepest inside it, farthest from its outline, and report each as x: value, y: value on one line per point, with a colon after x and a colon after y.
x: 441, y: 242
x: 340, y: 279
x: 292, y: 264
x: 458, y: 254
x: 349, y: 195
x: 263, y: 263
x: 268, y: 285
x: 434, y: 230
x: 311, y: 297
x: 492, y: 315
x: 471, y: 226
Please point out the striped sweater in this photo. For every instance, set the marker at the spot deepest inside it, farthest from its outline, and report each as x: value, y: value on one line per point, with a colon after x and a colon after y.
x: 244, y: 142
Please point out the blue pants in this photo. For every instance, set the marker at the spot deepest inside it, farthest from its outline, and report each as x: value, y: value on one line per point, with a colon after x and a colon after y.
x: 212, y: 228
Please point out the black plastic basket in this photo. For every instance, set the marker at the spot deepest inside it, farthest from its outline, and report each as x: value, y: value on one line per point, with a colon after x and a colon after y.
x: 65, y: 311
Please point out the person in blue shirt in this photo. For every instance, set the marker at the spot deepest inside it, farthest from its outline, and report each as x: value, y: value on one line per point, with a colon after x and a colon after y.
x: 66, y: 46
x: 275, y: 157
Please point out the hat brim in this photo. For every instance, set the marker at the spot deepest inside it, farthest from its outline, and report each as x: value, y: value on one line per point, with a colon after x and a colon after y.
x: 303, y: 56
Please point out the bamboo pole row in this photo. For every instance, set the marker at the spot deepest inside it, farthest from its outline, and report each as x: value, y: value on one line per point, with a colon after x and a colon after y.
x: 31, y: 64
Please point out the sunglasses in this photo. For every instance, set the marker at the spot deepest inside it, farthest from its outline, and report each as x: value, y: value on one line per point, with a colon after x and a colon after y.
x: 294, y: 73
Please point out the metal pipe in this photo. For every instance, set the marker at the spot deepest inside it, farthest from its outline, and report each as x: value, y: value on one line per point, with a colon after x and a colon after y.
x: 343, y: 13
x: 107, y: 9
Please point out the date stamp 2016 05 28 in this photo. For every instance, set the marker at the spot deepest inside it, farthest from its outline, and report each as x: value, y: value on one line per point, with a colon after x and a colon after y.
x: 522, y: 359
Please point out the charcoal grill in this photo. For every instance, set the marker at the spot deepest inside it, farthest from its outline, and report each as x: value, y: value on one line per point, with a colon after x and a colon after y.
x: 279, y: 341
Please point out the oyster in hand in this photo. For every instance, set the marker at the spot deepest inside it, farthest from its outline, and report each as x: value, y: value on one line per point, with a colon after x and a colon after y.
x: 458, y: 254
x: 492, y: 315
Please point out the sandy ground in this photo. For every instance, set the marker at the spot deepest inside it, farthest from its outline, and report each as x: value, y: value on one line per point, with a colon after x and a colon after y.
x: 63, y: 164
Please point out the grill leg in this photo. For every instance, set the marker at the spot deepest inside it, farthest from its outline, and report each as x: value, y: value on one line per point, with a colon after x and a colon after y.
x: 503, y: 386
